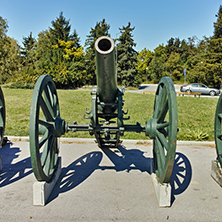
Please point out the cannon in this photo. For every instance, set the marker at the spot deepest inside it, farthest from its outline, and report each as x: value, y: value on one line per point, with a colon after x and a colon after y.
x: 106, y: 118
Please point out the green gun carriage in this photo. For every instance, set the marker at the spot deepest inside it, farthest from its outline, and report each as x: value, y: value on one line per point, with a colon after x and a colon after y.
x: 106, y: 118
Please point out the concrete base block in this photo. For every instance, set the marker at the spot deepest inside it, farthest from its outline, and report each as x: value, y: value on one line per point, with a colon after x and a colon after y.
x: 42, y: 190
x: 163, y: 192
x: 0, y: 163
x: 216, y: 172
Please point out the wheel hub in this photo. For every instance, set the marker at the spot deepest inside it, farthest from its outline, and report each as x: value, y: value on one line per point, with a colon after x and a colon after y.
x: 59, y: 127
x: 151, y: 126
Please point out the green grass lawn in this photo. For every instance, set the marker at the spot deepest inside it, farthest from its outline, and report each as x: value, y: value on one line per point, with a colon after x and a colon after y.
x: 195, y: 115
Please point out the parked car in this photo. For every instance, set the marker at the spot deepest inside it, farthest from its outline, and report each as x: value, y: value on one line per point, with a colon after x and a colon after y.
x: 200, y: 88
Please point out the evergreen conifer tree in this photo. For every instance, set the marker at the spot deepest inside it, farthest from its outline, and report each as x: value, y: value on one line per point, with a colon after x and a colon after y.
x: 61, y: 55
x: 101, y: 29
x: 60, y: 29
x: 211, y: 59
x: 76, y: 39
x: 126, y: 57
x: 218, y: 24
x: 3, y: 27
x: 29, y: 44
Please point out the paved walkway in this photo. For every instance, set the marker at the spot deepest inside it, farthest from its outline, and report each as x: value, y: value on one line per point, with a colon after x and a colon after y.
x: 110, y: 185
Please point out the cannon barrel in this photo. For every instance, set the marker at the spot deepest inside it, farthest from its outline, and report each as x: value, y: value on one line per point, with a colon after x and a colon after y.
x: 106, y: 69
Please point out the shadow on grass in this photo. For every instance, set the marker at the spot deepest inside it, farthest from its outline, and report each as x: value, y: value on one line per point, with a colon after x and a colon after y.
x: 13, y: 172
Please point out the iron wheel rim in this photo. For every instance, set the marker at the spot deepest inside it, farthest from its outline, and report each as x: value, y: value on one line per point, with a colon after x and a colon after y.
x: 44, y: 149
x: 164, y: 141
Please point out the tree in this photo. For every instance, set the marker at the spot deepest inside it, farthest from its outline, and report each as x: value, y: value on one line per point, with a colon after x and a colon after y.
x: 3, y: 27
x: 171, y: 59
x: 9, y: 59
x: 157, y: 67
x: 173, y: 66
x: 173, y: 45
x: 207, y: 65
x: 60, y: 29
x: 70, y: 70
x: 211, y: 63
x: 144, y: 58
x: 9, y: 54
x: 61, y: 55
x: 218, y: 24
x: 29, y: 45
x: 27, y: 72
x: 101, y: 29
x: 76, y: 39
x: 127, y: 73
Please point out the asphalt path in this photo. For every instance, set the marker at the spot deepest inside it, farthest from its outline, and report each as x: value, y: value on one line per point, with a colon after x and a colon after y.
x: 110, y: 184
x: 151, y: 88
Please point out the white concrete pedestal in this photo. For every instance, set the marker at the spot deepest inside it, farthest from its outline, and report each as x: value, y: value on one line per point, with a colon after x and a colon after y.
x: 216, y: 172
x: 42, y: 190
x: 163, y: 191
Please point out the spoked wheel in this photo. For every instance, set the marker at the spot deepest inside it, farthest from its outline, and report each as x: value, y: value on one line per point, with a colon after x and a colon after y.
x: 218, y: 130
x: 45, y: 128
x: 2, y: 116
x: 163, y: 129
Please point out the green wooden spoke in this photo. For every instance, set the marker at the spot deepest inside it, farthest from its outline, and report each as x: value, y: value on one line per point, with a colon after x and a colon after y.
x: 162, y: 139
x: 50, y: 157
x: 159, y: 101
x: 159, y: 157
x: 51, y: 99
x: 162, y: 125
x: 47, y: 109
x: 43, y: 132
x: 48, y: 125
x: 219, y: 135
x: 219, y: 115
x: 161, y: 152
x: 43, y: 139
x: 163, y: 112
x: 45, y: 154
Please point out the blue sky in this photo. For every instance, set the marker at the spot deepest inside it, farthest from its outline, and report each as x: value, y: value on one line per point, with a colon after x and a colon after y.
x: 155, y: 21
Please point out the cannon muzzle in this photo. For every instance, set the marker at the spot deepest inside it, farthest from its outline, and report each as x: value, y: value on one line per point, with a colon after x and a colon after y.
x: 106, y: 69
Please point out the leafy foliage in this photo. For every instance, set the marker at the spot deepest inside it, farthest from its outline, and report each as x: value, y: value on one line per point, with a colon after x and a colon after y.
x: 58, y: 52
x: 3, y: 27
x: 144, y: 58
x: 218, y: 24
x: 60, y: 55
x: 9, y: 58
